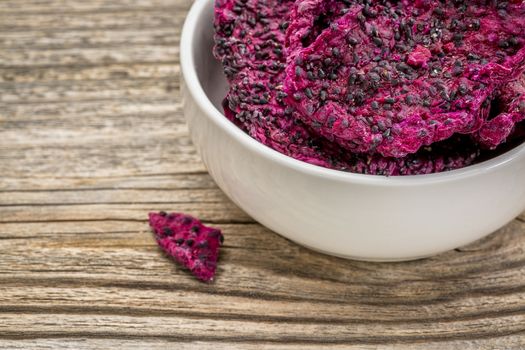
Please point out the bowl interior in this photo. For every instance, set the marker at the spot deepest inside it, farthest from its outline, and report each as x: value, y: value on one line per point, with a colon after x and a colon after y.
x: 209, y: 70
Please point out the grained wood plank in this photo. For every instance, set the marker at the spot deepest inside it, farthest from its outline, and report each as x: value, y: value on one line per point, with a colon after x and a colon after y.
x: 89, y: 56
x: 42, y: 40
x: 203, y: 304
x: 246, y: 331
x: 137, y: 182
x: 508, y: 343
x: 97, y: 111
x: 98, y: 212
x: 173, y: 155
x: 108, y: 196
x: 74, y: 91
x: 88, y: 130
x: 60, y: 6
x: 97, y: 72
x: 125, y: 17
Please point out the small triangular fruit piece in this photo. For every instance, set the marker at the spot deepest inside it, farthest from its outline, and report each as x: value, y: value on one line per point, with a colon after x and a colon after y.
x: 188, y: 241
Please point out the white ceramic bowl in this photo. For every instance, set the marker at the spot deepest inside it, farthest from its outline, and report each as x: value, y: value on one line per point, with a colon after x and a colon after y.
x: 349, y: 215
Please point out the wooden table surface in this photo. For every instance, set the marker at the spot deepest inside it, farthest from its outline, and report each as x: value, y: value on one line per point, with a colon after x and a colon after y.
x: 92, y: 137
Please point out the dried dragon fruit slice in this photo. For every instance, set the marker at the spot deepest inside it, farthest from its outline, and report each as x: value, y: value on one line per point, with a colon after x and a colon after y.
x: 406, y: 76
x: 188, y: 241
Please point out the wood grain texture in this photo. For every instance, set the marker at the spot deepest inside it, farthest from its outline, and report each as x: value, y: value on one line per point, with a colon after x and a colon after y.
x: 92, y: 137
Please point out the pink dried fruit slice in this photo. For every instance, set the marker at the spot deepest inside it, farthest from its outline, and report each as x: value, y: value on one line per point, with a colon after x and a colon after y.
x: 393, y: 77
x: 188, y: 241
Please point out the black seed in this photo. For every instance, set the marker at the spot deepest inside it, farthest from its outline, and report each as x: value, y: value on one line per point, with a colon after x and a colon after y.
x: 462, y: 89
x: 408, y: 33
x: 322, y: 95
x: 472, y: 57
x: 335, y: 52
x: 397, y: 35
x: 390, y: 100
x: 162, y: 213
x: 355, y: 57
x: 298, y: 71
x: 359, y: 98
x: 502, y: 5
x: 310, y: 75
x: 309, y: 110
x: 333, y: 76
x: 514, y: 41
x: 374, y: 105
x: 167, y: 231
x: 374, y: 77
x: 330, y: 121
x: 378, y: 42
x: 308, y: 93
x: 352, y: 41
x: 503, y: 44
x: 368, y: 12
x: 297, y: 96
x: 457, y: 37
x: 190, y: 242
x: 475, y: 24
x: 439, y: 11
x: 195, y: 229
x: 179, y: 241
x: 403, y: 67
x: 387, y: 107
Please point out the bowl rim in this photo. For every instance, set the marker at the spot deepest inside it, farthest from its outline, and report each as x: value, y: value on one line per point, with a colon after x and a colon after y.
x: 193, y: 85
